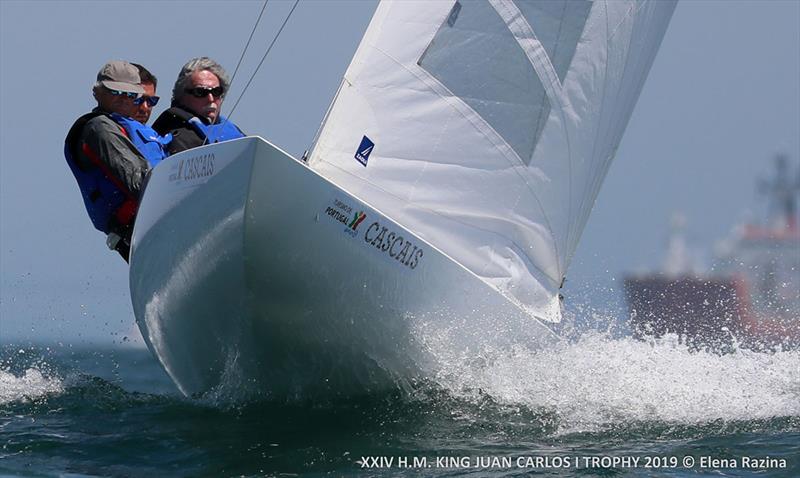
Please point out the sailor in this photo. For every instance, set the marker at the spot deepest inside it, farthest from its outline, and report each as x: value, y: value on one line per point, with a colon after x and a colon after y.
x: 110, y: 153
x: 148, y: 100
x: 194, y: 119
x: 152, y: 145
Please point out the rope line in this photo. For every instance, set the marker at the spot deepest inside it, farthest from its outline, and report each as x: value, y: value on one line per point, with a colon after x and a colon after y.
x: 244, y: 90
x: 252, y: 32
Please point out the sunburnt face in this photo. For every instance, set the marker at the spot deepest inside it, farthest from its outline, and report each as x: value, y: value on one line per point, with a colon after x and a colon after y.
x: 116, y: 103
x: 206, y: 105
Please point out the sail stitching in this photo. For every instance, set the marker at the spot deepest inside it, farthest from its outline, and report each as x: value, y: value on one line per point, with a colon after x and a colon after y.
x: 530, y: 44
x: 632, y: 9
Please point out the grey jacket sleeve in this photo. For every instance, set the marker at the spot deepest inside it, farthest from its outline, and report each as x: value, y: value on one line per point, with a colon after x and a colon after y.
x: 105, y: 139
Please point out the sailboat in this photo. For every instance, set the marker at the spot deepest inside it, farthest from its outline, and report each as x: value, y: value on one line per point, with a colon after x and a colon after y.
x: 443, y: 197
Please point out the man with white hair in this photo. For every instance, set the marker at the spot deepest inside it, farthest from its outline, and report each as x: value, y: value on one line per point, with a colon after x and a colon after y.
x: 194, y: 119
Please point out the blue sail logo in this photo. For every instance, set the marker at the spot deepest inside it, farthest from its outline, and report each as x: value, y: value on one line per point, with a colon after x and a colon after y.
x: 364, y: 150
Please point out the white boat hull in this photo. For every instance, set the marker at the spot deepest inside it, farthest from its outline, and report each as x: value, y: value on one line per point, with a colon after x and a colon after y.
x: 249, y: 275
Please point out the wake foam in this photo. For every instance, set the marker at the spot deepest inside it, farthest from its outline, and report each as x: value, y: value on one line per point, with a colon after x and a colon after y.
x: 597, y: 381
x: 28, y: 386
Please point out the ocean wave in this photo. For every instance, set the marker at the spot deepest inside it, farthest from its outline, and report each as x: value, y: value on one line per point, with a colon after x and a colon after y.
x: 597, y: 381
x: 28, y: 386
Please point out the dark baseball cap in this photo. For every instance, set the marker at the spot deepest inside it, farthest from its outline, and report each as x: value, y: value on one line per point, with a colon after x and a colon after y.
x: 121, y: 76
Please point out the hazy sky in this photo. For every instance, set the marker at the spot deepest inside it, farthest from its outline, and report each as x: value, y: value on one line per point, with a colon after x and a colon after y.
x: 722, y: 98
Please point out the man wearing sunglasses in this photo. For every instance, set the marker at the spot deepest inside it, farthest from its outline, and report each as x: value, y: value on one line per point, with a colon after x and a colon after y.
x: 148, y: 100
x: 194, y: 119
x: 152, y: 145
x: 110, y: 153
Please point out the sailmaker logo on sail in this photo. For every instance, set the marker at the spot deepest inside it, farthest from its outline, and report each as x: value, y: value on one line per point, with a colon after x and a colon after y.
x: 364, y: 150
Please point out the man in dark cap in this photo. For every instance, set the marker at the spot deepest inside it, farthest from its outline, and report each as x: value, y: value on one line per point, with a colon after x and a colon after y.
x: 109, y: 155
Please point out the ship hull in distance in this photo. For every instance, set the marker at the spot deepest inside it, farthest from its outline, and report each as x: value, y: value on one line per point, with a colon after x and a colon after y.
x: 713, y: 311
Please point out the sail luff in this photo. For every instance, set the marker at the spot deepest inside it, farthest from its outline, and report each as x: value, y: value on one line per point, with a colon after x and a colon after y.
x: 625, y: 102
x: 591, y: 180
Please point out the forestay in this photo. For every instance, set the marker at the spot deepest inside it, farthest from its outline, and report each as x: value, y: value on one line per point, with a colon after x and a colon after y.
x: 487, y: 126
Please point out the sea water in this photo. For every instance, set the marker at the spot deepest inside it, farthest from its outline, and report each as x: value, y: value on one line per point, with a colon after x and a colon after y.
x: 599, y: 404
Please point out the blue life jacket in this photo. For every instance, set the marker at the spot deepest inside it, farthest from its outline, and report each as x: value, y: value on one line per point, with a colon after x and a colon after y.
x: 222, y: 130
x: 111, y: 206
x: 152, y: 145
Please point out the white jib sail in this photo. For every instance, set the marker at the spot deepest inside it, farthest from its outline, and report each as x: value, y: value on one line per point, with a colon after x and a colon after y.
x: 487, y: 126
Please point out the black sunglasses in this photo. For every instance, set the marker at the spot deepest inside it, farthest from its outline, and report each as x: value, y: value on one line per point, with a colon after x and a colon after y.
x: 202, y: 91
x: 122, y: 93
x: 151, y: 100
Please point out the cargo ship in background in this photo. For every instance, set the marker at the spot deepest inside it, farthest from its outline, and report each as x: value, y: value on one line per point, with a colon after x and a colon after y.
x: 749, y: 297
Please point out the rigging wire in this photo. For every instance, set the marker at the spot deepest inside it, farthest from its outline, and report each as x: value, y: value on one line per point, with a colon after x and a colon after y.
x: 241, y: 57
x: 252, y: 32
x: 244, y: 90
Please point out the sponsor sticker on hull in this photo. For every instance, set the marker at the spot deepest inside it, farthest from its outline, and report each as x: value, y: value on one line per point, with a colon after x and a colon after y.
x: 377, y: 236
x: 342, y: 212
x: 393, y: 244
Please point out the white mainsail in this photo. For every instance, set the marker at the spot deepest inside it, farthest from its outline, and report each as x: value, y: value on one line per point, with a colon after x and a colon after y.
x: 487, y: 126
